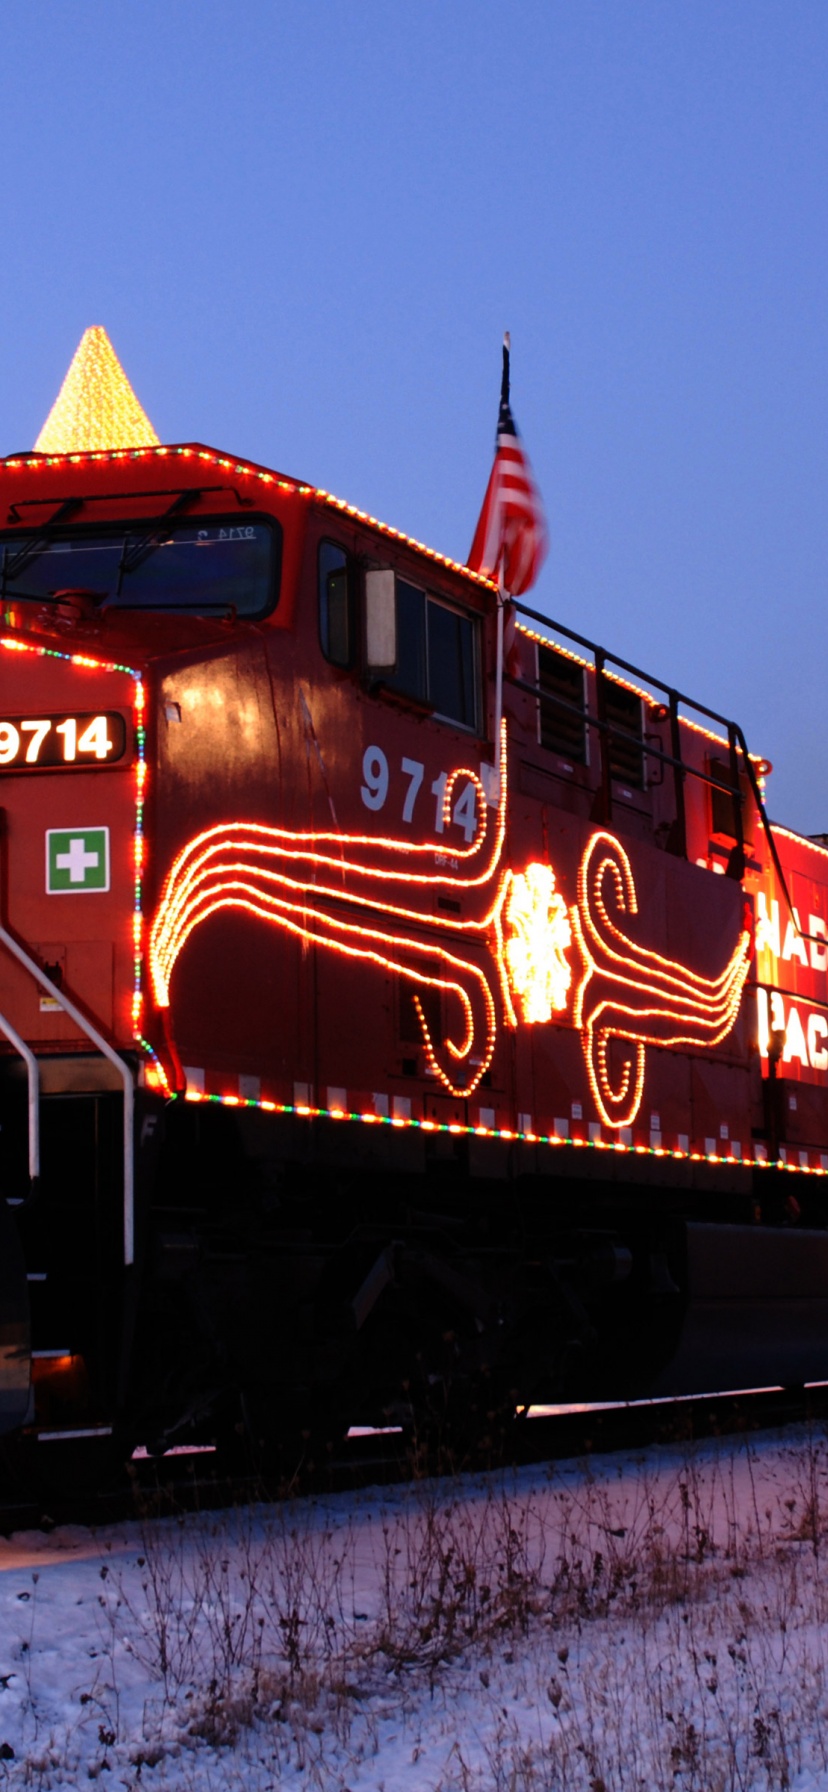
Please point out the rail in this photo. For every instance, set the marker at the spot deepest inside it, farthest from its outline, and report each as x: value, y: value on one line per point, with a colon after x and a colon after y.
x: 736, y: 746
x: 601, y: 661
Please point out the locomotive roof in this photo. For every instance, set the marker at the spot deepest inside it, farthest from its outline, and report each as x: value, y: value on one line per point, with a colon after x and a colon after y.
x: 34, y: 460
x: 200, y: 451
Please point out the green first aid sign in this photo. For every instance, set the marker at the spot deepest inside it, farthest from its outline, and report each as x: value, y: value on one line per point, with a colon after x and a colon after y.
x: 76, y: 859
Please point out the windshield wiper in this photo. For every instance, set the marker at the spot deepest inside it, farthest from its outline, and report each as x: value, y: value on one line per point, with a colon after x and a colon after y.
x: 138, y: 548
x: 37, y: 545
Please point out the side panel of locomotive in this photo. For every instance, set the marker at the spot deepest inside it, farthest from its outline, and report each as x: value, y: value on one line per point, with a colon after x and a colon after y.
x: 366, y: 885
x: 791, y: 899
x: 338, y: 871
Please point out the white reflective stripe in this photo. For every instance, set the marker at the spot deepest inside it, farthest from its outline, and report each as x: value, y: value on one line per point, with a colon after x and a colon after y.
x: 65, y: 1437
x: 142, y: 1454
x: 375, y: 1431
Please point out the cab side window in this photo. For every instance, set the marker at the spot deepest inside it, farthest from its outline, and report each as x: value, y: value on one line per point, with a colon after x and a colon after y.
x: 411, y: 675
x: 335, y: 619
x: 437, y: 655
x: 452, y: 668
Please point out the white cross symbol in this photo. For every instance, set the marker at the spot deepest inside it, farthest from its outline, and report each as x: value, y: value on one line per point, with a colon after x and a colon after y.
x: 76, y: 861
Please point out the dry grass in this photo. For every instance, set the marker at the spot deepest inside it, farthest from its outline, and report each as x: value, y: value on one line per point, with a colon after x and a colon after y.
x: 605, y: 1632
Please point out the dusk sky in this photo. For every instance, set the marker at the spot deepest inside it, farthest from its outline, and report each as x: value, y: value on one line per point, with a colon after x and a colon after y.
x: 305, y: 227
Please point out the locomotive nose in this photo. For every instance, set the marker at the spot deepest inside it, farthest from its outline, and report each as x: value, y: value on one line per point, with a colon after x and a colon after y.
x: 71, y: 779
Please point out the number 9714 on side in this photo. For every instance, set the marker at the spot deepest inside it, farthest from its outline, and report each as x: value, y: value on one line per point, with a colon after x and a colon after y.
x: 33, y: 743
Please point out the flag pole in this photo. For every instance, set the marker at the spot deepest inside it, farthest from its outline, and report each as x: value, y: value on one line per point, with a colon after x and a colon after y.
x: 501, y: 599
x: 501, y: 596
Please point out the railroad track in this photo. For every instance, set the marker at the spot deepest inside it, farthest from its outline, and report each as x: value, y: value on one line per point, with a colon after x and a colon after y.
x: 192, y: 1478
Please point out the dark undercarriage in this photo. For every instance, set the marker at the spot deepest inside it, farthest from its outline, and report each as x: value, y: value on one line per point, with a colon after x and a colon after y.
x: 295, y: 1277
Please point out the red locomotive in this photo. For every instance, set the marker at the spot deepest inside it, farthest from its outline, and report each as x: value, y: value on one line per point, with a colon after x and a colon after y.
x: 391, y: 1001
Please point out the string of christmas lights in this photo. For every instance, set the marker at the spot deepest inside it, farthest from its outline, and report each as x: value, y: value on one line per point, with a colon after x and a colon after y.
x: 11, y: 644
x: 514, y: 1135
x: 241, y: 865
x: 640, y: 997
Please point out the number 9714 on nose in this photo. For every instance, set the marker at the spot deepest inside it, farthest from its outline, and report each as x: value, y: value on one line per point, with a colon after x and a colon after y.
x: 37, y: 743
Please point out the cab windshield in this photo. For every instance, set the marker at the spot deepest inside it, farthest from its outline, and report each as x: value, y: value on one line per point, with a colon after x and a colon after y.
x: 217, y: 567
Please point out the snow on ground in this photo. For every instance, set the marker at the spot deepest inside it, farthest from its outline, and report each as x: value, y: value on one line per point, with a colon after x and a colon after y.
x: 644, y: 1621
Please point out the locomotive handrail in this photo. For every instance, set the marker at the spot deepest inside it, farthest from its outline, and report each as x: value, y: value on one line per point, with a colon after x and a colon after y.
x: 604, y: 727
x: 679, y: 765
x: 600, y: 656
x: 107, y: 1051
x: 625, y: 665
x: 767, y: 825
x: 784, y: 989
x: 33, y: 1082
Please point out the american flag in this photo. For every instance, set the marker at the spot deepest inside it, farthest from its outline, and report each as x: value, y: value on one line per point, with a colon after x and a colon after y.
x: 510, y: 541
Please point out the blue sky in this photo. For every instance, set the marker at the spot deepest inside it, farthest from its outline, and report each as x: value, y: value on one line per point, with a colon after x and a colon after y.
x: 306, y: 225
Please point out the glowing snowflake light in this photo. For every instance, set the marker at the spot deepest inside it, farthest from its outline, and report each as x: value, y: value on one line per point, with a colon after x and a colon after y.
x: 535, y: 952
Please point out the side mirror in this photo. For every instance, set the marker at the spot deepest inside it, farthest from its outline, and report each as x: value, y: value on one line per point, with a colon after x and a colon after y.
x: 380, y: 620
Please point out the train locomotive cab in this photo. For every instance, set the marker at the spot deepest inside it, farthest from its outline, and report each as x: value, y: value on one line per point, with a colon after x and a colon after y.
x: 397, y: 993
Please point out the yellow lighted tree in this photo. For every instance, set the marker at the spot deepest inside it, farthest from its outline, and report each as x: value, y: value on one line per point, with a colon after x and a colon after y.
x: 96, y: 406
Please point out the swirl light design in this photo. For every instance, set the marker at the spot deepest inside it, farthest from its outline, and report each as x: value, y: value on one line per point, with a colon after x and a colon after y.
x: 301, y: 881
x: 639, y: 997
x: 352, y: 893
